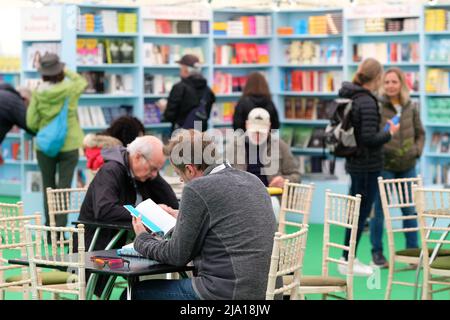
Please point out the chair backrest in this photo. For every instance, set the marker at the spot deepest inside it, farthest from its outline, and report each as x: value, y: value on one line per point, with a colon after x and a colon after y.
x: 433, y: 207
x: 57, y: 258
x: 342, y: 211
x: 295, y: 201
x: 64, y: 201
x: 12, y: 239
x: 287, y: 258
x: 11, y: 210
x: 394, y: 194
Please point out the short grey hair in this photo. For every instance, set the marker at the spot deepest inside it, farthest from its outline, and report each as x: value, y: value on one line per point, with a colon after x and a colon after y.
x: 196, y: 69
x: 142, y: 145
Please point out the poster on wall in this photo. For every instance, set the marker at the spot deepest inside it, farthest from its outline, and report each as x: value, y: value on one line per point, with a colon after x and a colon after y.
x: 41, y: 24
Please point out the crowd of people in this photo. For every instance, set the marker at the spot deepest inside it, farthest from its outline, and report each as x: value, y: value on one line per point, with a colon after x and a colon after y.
x: 225, y: 219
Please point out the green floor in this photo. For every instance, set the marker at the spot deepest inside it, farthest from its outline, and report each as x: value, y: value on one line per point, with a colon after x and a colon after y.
x: 365, y: 288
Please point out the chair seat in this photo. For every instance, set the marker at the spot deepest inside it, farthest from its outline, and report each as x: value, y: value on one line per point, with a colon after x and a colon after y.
x: 318, y: 281
x: 442, y: 263
x: 415, y: 252
x: 48, y: 278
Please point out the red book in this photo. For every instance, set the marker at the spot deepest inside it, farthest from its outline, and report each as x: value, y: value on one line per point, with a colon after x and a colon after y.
x: 241, y: 53
x: 15, y: 147
x: 252, y: 52
x: 393, y: 56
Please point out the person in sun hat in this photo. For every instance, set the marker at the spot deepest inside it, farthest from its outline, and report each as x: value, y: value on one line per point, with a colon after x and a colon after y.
x: 187, y: 94
x: 47, y: 101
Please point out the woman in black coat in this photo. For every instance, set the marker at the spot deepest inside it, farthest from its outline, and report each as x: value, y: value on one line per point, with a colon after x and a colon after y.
x: 256, y: 95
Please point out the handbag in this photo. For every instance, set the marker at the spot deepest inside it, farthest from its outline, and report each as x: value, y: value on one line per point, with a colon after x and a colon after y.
x: 50, y: 139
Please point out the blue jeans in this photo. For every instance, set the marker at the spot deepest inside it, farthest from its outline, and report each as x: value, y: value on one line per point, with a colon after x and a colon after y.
x: 164, y: 290
x: 376, y: 223
x: 365, y: 184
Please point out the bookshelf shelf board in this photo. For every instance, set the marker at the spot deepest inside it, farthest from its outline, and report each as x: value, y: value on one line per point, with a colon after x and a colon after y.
x: 437, y: 155
x: 383, y: 34
x: 229, y: 95
x: 12, y: 162
x: 322, y: 122
x: 308, y: 151
x: 391, y: 64
x: 30, y: 162
x: 231, y: 37
x: 308, y: 94
x: 311, y: 66
x: 414, y: 94
x: 167, y: 66
x: 242, y: 66
x: 41, y: 40
x: 13, y: 136
x: 445, y: 94
x: 177, y: 36
x: 310, y: 36
x: 108, y: 96
x: 162, y: 125
x: 437, y: 64
x: 155, y: 96
x: 108, y: 66
x: 437, y: 125
x: 9, y: 73
x: 107, y: 35
x: 438, y: 33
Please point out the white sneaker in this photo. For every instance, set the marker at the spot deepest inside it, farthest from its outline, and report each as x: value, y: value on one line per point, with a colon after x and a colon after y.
x: 359, y: 269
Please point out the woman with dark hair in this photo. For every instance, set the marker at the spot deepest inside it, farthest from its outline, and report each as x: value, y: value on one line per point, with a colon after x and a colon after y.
x: 121, y: 132
x: 256, y: 94
x: 59, y: 85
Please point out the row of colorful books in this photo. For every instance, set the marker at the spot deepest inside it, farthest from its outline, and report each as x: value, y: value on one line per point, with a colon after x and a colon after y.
x: 439, y: 50
x: 159, y: 26
x: 310, y: 52
x: 440, y: 142
x: 302, y: 137
x: 311, y: 81
x: 331, y: 23
x: 11, y: 150
x: 306, y: 108
x: 437, y: 81
x: 95, y: 51
x: 372, y: 25
x: 222, y: 112
x: 37, y: 50
x: 387, y: 52
x: 101, y: 116
x: 160, y: 54
x: 152, y: 113
x: 228, y: 83
x: 438, y: 110
x: 108, y: 21
x: 440, y: 173
x: 100, y: 82
x: 241, y: 53
x: 9, y: 64
x: 159, y: 83
x: 258, y: 25
x: 437, y: 20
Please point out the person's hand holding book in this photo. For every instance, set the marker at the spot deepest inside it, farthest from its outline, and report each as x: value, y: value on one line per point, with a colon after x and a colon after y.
x: 169, y: 210
x: 138, y: 226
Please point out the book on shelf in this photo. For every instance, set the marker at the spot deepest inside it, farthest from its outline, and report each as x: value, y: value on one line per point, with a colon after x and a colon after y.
x: 310, y: 52
x: 302, y: 136
x: 257, y: 25
x: 225, y: 83
x: 222, y: 112
x: 387, y: 52
x: 162, y: 27
x: 316, y: 140
x: 287, y: 134
x: 34, y: 181
x: 100, y: 82
x: 37, y: 50
x: 9, y: 64
x: 159, y: 83
x: 152, y: 113
x: 107, y: 21
x: 101, y: 116
x: 440, y: 142
x: 241, y: 53
x: 11, y: 79
x: 439, y: 50
x: 438, y: 110
x: 311, y: 81
x: 437, y: 81
x: 436, y: 20
x: 10, y: 150
x: 159, y: 54
x: 153, y: 217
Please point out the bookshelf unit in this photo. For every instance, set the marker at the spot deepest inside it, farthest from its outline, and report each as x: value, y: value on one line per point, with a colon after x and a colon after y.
x: 242, y: 42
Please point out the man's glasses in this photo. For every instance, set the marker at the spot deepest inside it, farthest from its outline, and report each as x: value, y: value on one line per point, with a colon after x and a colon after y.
x: 112, y: 263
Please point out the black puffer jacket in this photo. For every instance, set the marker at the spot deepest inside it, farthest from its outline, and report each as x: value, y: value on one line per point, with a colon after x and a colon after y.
x: 247, y: 103
x: 186, y: 95
x: 366, y: 120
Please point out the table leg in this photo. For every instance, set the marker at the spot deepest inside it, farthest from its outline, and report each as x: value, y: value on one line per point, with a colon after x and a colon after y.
x: 131, y: 281
x: 94, y: 239
x: 108, y: 288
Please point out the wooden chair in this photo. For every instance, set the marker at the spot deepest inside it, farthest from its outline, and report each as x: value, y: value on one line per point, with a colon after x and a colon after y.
x: 76, y: 283
x: 295, y: 201
x: 12, y: 238
x: 341, y: 211
x: 397, y: 194
x: 11, y: 210
x: 287, y: 258
x: 64, y: 202
x: 434, y: 205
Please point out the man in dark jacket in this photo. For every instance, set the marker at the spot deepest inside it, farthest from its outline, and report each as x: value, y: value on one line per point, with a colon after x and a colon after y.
x: 187, y: 94
x: 13, y: 109
x: 129, y: 176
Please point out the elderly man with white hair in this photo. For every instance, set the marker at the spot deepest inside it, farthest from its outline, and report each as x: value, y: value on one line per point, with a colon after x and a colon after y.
x: 129, y: 176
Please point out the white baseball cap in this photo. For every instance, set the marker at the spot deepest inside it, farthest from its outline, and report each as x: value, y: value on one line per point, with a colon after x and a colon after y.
x: 258, y: 120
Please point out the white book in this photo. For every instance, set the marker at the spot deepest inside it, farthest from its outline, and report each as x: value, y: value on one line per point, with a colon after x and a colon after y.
x: 195, y: 27
x: 153, y: 217
x: 34, y: 181
x: 150, y: 26
x: 148, y: 53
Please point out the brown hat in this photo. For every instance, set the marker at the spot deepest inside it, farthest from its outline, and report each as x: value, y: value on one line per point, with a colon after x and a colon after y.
x: 189, y: 60
x: 50, y: 65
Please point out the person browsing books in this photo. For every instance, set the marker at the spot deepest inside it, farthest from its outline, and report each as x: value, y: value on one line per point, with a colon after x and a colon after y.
x: 128, y: 176
x: 400, y: 154
x: 59, y: 85
x: 225, y: 225
x: 187, y: 94
x: 13, y: 109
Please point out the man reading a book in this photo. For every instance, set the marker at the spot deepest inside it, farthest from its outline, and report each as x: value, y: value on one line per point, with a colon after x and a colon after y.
x: 225, y: 226
x: 129, y: 176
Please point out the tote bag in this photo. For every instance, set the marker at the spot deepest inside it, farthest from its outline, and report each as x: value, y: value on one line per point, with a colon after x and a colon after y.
x: 50, y: 139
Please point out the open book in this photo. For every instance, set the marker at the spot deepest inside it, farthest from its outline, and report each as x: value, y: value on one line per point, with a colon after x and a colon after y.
x: 153, y: 217
x: 128, y: 250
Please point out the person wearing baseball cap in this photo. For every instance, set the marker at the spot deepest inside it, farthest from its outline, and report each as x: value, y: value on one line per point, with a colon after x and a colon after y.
x: 259, y: 142
x: 187, y: 94
x: 58, y: 85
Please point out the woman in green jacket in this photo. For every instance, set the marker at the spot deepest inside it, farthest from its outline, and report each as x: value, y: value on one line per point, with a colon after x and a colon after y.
x: 46, y: 102
x: 400, y: 154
